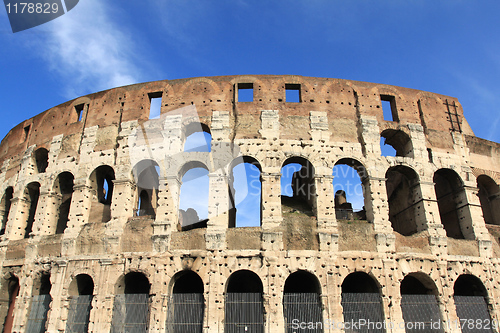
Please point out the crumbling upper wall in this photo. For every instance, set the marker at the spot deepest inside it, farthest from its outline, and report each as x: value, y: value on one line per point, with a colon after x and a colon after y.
x: 343, y: 101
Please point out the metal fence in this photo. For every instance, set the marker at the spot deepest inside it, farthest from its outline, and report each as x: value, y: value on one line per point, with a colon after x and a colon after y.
x: 130, y: 313
x: 473, y: 313
x: 421, y: 314
x: 302, y: 308
x: 244, y: 313
x: 185, y: 313
x: 79, y: 313
x: 363, y: 307
x: 38, y: 314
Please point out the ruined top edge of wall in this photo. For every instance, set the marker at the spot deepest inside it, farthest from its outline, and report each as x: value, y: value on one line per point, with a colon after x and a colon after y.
x: 340, y: 99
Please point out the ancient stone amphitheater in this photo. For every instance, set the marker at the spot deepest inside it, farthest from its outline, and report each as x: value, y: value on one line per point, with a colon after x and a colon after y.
x: 93, y: 238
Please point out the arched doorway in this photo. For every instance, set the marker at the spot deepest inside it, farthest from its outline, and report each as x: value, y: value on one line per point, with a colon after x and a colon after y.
x: 81, y: 291
x: 187, y: 303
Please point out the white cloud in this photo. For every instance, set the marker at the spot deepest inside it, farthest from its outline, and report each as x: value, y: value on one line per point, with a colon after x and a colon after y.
x: 89, y: 50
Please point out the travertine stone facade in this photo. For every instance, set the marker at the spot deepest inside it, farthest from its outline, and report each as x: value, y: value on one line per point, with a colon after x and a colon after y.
x: 61, y: 158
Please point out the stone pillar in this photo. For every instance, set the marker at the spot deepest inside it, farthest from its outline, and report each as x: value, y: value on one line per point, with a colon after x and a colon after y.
x: 271, y: 200
x: 101, y: 314
x: 162, y: 226
x: 55, y: 321
x: 48, y: 206
x: 17, y: 218
x: 419, y: 143
x: 370, y: 135
x: 215, y: 299
x: 218, y: 210
x: 377, y: 212
x: 325, y: 212
x: 122, y: 205
x: 273, y: 299
x: 80, y: 207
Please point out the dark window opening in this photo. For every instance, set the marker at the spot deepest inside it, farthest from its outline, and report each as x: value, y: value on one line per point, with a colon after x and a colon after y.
x: 245, y: 92
x: 389, y: 108
x: 9, y: 291
x: 5, y: 208
x: 429, y: 155
x: 131, y: 306
x: 403, y: 198
x: 301, y: 300
x: 293, y: 93
x: 471, y: 303
x: 101, y: 183
x: 147, y: 176
x: 42, y: 159
x: 64, y: 187
x: 40, y: 302
x: 26, y: 132
x: 449, y: 194
x: 489, y: 197
x: 81, y: 292
x: 361, y: 300
x: 187, y: 302
x: 32, y: 193
x: 245, y: 193
x: 155, y: 105
x: 244, y: 308
x: 79, y: 111
x: 419, y: 304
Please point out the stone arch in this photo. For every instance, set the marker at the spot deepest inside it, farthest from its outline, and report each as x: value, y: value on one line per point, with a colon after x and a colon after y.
x: 361, y: 299
x: 302, y: 181
x: 63, y: 188
x: 248, y: 182
x: 81, y: 291
x: 187, y: 302
x: 8, y: 293
x: 102, y: 177
x: 193, y: 135
x: 349, y: 182
x: 404, y: 199
x: 41, y: 157
x: 302, y: 299
x: 40, y: 303
x: 244, y: 296
x: 195, y: 183
x: 131, y: 305
x: 399, y: 140
x: 471, y: 300
x: 147, y: 177
x: 489, y: 196
x: 5, y: 205
x: 184, y: 88
x: 31, y: 195
x: 419, y: 300
x: 449, y: 189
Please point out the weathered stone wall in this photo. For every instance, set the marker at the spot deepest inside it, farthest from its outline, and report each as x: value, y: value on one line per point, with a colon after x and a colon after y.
x: 335, y: 122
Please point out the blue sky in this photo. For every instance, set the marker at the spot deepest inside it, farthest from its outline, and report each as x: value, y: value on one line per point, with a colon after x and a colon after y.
x: 449, y: 47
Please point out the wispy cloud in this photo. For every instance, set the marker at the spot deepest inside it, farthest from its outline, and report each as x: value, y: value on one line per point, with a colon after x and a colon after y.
x: 89, y: 50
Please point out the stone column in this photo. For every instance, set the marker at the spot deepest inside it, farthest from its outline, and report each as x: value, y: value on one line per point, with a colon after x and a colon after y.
x: 165, y: 219
x: 16, y: 224
x: 218, y: 210
x: 272, y: 240
x: 58, y: 313
x: 377, y: 212
x: 48, y: 206
x: 325, y: 212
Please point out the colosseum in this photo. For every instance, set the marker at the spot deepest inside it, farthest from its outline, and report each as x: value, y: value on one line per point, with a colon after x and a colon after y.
x: 94, y: 237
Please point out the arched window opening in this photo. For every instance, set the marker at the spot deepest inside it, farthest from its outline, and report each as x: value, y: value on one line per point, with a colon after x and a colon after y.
x: 404, y: 201
x: 198, y: 138
x: 245, y: 193
x: 193, y: 200
x: 5, y: 208
x: 301, y: 301
x: 101, y: 184
x: 40, y: 304
x: 489, y: 196
x: 9, y: 291
x: 395, y: 143
x: 81, y: 291
x: 361, y: 301
x: 187, y: 304
x: 147, y: 175
x: 449, y: 193
x: 31, y: 195
x: 244, y: 310
x: 64, y: 189
x: 419, y: 303
x: 471, y: 303
x: 348, y: 177
x: 41, y: 159
x: 297, y: 186
x: 131, y: 307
